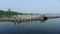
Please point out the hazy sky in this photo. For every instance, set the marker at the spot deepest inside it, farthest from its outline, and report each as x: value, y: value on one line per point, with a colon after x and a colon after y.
x: 31, y: 6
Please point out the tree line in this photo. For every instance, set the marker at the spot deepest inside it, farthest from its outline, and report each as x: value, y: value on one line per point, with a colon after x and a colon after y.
x: 9, y: 12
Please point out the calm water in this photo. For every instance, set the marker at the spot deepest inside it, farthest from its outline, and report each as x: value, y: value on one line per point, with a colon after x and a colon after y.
x: 50, y: 26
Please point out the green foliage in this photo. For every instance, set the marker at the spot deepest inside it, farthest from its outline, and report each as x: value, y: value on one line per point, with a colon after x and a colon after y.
x: 10, y: 13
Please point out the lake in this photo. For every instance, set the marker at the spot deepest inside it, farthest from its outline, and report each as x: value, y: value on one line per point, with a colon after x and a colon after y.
x: 50, y: 26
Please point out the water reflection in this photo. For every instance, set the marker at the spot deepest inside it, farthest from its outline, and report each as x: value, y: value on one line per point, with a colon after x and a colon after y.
x: 41, y: 21
x: 18, y: 23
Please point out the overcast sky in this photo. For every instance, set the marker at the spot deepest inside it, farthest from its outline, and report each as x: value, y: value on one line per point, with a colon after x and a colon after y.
x: 31, y: 6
